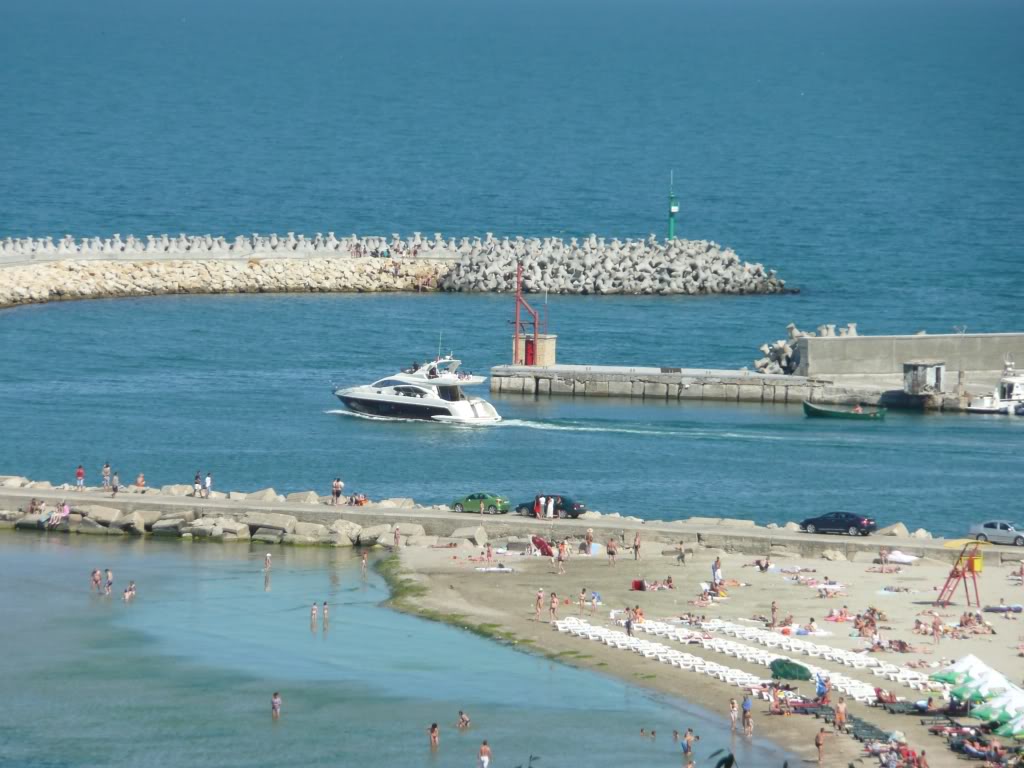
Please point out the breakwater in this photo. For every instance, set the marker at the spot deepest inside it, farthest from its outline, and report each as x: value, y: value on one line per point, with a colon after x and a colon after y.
x: 36, y: 270
x: 304, y: 518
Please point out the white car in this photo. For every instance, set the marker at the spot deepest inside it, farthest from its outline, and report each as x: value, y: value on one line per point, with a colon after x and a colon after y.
x: 999, y: 532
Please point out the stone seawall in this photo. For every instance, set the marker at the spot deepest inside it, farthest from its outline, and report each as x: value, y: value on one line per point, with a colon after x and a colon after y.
x: 40, y: 270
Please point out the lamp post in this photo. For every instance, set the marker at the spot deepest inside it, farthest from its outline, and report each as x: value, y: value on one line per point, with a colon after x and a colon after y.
x: 673, y: 206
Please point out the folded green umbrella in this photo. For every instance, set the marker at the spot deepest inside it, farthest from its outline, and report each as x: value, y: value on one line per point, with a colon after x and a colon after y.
x: 784, y: 669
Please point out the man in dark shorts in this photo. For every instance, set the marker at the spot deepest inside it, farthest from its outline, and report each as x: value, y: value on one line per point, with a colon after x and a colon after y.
x: 688, y: 744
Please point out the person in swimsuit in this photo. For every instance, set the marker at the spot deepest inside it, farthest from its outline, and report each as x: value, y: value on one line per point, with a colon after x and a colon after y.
x: 326, y: 619
x: 613, y: 549
x: 97, y: 580
x: 363, y: 563
x: 538, y: 604
x: 105, y: 474
x: 819, y: 744
x: 734, y: 713
x: 748, y: 716
x: 484, y: 756
x: 312, y: 615
x: 553, y: 607
x: 266, y: 562
x: 110, y: 582
x: 80, y: 478
x: 115, y: 484
x: 463, y: 721
x: 197, y: 484
x: 583, y: 600
x: 275, y: 706
x: 435, y: 736
x: 688, y: 744
x: 636, y: 546
x: 560, y: 558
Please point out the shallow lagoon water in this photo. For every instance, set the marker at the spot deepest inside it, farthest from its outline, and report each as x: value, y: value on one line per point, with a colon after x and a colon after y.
x: 183, y: 675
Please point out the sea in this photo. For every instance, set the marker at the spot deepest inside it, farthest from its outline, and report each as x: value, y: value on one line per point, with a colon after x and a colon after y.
x: 868, y: 151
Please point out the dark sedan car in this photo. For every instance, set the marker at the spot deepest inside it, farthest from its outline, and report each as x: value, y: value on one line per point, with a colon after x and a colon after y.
x: 839, y: 522
x: 564, y: 506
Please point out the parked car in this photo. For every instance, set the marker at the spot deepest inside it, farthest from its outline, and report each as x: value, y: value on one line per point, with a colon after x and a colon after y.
x: 999, y: 532
x: 839, y: 522
x: 493, y: 504
x: 564, y: 506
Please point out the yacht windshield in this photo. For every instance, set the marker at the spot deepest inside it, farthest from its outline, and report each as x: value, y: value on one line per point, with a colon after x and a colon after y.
x: 451, y: 394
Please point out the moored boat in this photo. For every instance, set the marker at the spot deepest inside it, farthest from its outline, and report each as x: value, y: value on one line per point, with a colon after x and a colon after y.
x: 843, y: 412
x: 1007, y: 397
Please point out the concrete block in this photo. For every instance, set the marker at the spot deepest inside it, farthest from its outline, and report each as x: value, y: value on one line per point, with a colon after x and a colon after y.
x: 529, y: 385
x: 691, y: 390
x: 543, y: 386
x: 672, y: 391
x: 731, y: 391
x: 513, y: 384
x: 597, y: 389
x: 750, y: 393
x: 562, y: 387
x: 796, y: 393
x: 637, y: 389
x: 655, y: 391
x: 714, y: 392
x: 620, y: 389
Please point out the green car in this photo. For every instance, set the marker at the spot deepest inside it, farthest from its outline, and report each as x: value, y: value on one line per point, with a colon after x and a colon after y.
x: 493, y: 504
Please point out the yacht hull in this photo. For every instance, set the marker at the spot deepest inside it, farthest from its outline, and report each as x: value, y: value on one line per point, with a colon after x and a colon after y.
x: 392, y: 409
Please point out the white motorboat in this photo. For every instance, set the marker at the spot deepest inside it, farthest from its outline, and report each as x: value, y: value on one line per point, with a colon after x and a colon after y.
x: 431, y: 391
x: 1006, y: 398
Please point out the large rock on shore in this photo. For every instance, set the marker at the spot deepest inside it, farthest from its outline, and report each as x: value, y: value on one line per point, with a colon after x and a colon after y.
x: 310, y: 529
x: 410, y: 529
x: 13, y: 481
x: 187, y: 515
x: 399, y: 503
x: 296, y: 539
x: 90, y: 526
x: 476, y: 534
x: 421, y: 540
x: 102, y: 515
x: 896, y: 529
x: 169, y: 527
x: 335, y: 539
x: 133, y: 522
x: 237, y: 496
x: 268, y: 535
x: 373, y: 534
x: 347, y: 528
x: 176, y: 490
x: 304, y: 497
x: 267, y: 494
x: 30, y: 522
x: 275, y: 520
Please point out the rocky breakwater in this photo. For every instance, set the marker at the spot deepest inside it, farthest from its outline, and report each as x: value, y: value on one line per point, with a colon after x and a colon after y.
x: 599, y: 266
x: 782, y: 355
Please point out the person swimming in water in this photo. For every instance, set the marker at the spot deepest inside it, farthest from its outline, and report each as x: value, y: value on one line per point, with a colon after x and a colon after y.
x: 463, y: 721
x: 275, y: 705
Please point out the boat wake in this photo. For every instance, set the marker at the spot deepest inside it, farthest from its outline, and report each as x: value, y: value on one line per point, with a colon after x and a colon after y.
x: 374, y: 417
x: 627, y: 429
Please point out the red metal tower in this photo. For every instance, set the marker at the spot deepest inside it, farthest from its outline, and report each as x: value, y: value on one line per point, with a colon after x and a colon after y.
x: 527, y: 356
x: 965, y: 570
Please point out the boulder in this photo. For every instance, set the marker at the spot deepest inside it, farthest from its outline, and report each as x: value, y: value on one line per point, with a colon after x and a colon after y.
x: 334, y: 539
x: 268, y: 535
x: 372, y: 535
x: 218, y: 495
x: 411, y: 529
x: 921, y: 533
x: 282, y: 523
x: 90, y: 526
x: 237, y: 496
x: 421, y: 540
x: 102, y: 515
x: 149, y: 516
x: 235, y: 529
x: 733, y: 522
x: 204, y: 528
x: 30, y: 522
x: 40, y: 485
x: 267, y: 494
x: 610, y: 514
x: 477, y: 534
x: 10, y: 515
x: 590, y: 515
x: 896, y: 529
x: 791, y: 526
x: 168, y: 527
x: 133, y: 522
x: 188, y: 515
x: 310, y: 529
x: 772, y: 526
x: 294, y: 538
x: 13, y: 481
x: 833, y: 554
x: 346, y: 527
x: 400, y: 503
x: 304, y: 497
x: 176, y: 490
x: 70, y: 523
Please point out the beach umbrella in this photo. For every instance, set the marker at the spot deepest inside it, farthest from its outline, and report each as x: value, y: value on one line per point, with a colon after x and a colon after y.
x: 1004, y: 707
x: 982, y: 687
x: 784, y: 669
x: 960, y: 670
x: 1014, y: 728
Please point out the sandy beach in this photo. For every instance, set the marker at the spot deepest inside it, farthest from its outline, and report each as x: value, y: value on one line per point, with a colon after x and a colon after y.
x: 445, y: 585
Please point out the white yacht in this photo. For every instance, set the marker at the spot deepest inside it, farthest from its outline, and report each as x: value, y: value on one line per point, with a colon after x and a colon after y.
x: 1007, y: 397
x: 431, y: 391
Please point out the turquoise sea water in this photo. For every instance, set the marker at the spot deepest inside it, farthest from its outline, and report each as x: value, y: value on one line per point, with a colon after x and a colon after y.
x: 183, y: 675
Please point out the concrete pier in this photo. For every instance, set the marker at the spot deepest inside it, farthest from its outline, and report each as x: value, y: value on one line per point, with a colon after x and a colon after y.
x: 655, y: 383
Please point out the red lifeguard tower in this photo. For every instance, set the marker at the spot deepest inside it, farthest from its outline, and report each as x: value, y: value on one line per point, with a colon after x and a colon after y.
x: 529, y: 345
x: 966, y: 569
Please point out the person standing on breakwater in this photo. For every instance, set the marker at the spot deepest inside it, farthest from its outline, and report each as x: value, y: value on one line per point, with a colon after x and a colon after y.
x: 336, y: 488
x: 613, y: 549
x: 105, y: 474
x: 208, y: 486
x: 275, y: 706
x: 398, y: 538
x: 197, y: 483
x: 636, y: 545
x: 115, y: 484
x: 484, y: 756
x: 80, y: 478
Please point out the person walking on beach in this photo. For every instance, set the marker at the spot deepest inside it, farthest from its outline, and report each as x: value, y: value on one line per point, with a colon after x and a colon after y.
x: 484, y: 756
x: 748, y: 715
x: 208, y: 486
x: 819, y: 744
x: 553, y: 608
x: 613, y: 549
x: 275, y: 706
x: 80, y: 478
x: 840, y: 721
x: 775, y: 614
x: 435, y: 736
x: 115, y: 484
x: 105, y: 475
x: 936, y: 629
x: 583, y: 600
x: 636, y: 545
x: 589, y: 541
x: 734, y: 713
x: 560, y: 558
x: 538, y: 604
x: 629, y: 621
